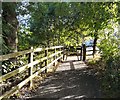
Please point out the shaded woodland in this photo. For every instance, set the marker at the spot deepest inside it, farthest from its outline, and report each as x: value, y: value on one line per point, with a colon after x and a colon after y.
x: 45, y: 24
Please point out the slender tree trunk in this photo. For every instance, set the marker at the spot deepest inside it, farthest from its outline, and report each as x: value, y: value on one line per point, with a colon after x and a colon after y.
x: 94, y: 45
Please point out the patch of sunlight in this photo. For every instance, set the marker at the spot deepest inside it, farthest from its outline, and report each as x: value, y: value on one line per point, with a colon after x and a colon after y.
x: 50, y: 90
x: 82, y: 96
x: 67, y: 97
x: 71, y: 86
x: 57, y: 90
x: 79, y: 65
x: 53, y: 87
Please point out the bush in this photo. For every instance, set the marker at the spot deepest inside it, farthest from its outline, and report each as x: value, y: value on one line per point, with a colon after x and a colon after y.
x: 111, y: 55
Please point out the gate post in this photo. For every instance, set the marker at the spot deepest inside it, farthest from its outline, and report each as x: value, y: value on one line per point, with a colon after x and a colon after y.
x: 54, y: 57
x: 84, y: 52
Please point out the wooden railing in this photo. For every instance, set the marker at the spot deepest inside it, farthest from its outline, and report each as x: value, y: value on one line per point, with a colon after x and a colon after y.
x: 82, y: 51
x: 56, y: 55
x: 86, y: 50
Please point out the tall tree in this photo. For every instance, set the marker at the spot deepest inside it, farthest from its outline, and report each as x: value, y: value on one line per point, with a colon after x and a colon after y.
x: 9, y: 26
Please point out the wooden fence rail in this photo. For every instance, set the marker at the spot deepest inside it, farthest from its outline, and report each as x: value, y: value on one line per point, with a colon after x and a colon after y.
x: 81, y: 51
x: 58, y: 50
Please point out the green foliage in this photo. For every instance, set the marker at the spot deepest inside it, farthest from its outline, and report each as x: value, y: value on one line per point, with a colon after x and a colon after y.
x: 111, y: 79
x: 61, y: 23
x: 55, y: 20
x: 111, y: 56
x: 25, y: 39
x: 110, y: 47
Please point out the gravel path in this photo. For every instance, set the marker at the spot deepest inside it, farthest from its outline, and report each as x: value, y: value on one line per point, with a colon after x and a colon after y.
x: 72, y: 80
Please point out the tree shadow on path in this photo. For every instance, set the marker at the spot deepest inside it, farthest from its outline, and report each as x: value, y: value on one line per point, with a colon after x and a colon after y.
x: 70, y: 84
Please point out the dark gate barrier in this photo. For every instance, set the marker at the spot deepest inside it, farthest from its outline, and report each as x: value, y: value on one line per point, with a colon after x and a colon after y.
x: 80, y: 52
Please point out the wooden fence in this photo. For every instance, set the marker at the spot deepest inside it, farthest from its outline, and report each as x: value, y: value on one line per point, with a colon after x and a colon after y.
x: 86, y: 50
x: 31, y: 63
x: 82, y: 51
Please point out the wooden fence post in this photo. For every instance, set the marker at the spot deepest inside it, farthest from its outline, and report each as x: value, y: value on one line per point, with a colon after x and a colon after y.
x: 46, y: 61
x: 59, y: 54
x: 65, y: 53
x: 84, y: 52
x: 31, y: 67
x: 54, y: 57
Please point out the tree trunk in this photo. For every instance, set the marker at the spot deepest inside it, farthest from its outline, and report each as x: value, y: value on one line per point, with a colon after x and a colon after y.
x: 10, y: 25
x: 84, y: 52
x: 94, y: 45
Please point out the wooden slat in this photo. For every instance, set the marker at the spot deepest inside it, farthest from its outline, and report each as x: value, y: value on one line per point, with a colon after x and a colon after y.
x: 90, y: 50
x: 38, y: 49
x: 55, y: 47
x: 20, y: 85
x: 16, y: 54
x: 13, y: 55
x: 21, y: 69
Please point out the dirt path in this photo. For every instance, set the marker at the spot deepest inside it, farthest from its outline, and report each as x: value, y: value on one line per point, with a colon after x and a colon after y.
x: 72, y: 80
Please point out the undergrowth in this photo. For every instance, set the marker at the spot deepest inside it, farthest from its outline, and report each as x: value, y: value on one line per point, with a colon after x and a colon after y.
x: 110, y: 75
